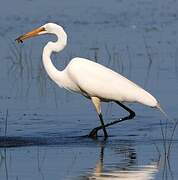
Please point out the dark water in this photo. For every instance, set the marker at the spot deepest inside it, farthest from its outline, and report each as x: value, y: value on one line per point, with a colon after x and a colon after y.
x: 43, y: 127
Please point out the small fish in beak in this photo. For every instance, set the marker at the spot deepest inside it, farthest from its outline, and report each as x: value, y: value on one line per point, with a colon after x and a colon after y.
x: 33, y: 33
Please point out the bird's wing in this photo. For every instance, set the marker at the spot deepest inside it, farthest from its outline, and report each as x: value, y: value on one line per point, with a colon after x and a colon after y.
x: 97, y: 80
x: 100, y: 81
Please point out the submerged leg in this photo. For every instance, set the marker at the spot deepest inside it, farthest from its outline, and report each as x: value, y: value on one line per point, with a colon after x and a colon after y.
x: 130, y: 116
x: 97, y: 103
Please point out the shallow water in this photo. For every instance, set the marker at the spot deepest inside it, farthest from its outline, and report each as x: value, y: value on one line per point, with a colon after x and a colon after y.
x: 43, y: 128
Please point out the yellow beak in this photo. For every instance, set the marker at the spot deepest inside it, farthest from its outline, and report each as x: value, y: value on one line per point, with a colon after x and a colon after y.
x: 33, y: 33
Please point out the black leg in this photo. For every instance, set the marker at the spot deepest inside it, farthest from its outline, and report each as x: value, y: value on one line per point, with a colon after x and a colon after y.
x: 93, y: 133
x: 103, y: 126
x: 131, y: 115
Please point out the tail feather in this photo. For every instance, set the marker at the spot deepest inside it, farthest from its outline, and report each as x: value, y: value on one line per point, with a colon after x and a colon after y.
x: 161, y: 110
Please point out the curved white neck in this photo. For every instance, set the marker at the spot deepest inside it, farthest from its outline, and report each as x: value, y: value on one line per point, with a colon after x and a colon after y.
x: 57, y: 46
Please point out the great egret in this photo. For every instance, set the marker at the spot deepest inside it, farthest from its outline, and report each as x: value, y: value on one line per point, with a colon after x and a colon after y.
x: 90, y: 79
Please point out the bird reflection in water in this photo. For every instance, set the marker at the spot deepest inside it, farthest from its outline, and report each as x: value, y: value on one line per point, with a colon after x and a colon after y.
x: 127, y: 169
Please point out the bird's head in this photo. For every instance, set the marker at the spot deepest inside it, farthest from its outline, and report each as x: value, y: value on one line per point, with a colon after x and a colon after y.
x: 49, y: 28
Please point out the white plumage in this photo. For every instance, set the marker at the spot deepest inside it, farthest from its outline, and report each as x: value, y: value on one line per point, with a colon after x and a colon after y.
x: 88, y: 78
x: 95, y: 80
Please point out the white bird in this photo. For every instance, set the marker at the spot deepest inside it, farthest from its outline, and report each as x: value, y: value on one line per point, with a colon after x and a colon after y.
x: 90, y: 79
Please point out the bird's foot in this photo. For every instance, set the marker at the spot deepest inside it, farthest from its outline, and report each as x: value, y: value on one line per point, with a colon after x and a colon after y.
x: 93, y: 133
